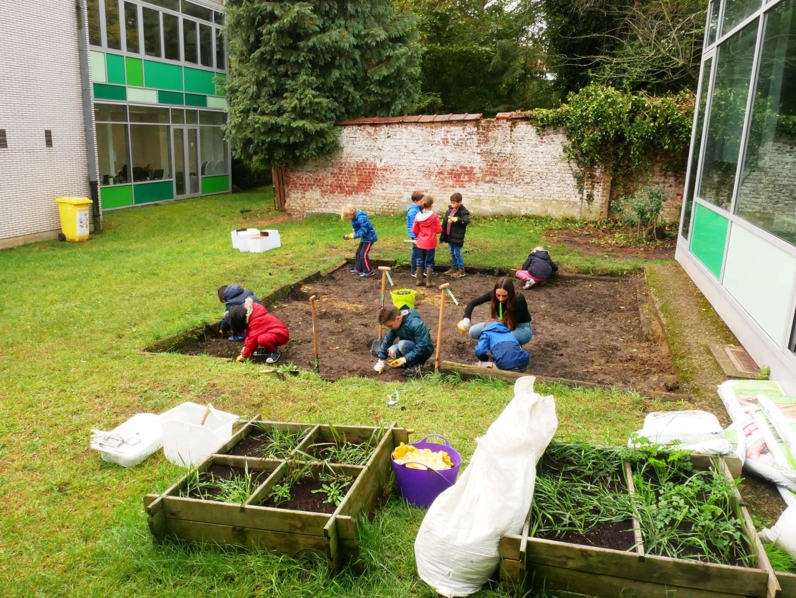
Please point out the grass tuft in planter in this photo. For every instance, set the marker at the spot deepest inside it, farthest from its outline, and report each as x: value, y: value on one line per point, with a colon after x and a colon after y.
x: 222, y: 483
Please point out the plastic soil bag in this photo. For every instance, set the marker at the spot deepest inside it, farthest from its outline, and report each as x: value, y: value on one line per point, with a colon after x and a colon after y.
x: 783, y: 532
x: 456, y: 548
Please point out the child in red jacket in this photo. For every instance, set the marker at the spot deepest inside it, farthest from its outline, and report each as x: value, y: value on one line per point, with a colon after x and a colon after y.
x: 426, y: 227
x: 263, y: 331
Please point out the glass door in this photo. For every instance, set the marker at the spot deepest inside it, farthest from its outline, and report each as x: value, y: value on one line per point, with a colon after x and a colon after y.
x: 186, y: 161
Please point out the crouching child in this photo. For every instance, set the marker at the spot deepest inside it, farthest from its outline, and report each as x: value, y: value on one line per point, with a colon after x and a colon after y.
x: 414, y: 346
x: 264, y: 333
x: 231, y: 296
x: 506, y: 351
x: 537, y: 268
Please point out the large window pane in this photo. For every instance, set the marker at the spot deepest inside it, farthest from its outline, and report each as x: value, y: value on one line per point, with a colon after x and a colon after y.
x: 110, y: 112
x: 214, y: 151
x: 206, y: 45
x: 218, y: 18
x: 190, y: 46
x: 112, y: 27
x: 767, y: 192
x: 697, y: 142
x: 150, y: 151
x: 727, y: 111
x: 713, y: 21
x: 145, y: 114
x: 171, y: 36
x: 94, y: 35
x: 112, y: 151
x: 171, y: 4
x: 736, y: 11
x: 207, y: 117
x: 152, y: 32
x: 199, y: 12
x: 131, y: 26
x: 220, y: 50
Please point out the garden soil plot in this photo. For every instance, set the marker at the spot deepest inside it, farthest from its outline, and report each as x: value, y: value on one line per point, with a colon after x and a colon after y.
x: 584, y: 328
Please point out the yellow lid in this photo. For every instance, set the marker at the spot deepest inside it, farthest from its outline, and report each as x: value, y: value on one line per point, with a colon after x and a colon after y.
x: 75, y: 201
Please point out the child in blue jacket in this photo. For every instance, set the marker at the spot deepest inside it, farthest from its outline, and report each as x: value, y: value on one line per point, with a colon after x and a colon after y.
x: 506, y: 351
x: 411, y: 212
x: 364, y: 231
x: 231, y: 296
x: 414, y: 346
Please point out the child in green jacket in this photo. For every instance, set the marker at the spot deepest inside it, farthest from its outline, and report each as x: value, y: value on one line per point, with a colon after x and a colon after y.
x: 414, y: 346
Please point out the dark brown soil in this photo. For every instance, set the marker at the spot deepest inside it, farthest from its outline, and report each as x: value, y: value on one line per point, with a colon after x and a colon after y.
x: 257, y: 445
x: 227, y: 472
x: 617, y: 536
x: 302, y: 498
x: 763, y: 501
x: 612, y: 241
x: 584, y: 328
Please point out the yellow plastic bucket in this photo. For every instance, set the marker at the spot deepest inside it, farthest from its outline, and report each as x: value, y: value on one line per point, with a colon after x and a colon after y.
x: 403, y: 298
x: 74, y: 213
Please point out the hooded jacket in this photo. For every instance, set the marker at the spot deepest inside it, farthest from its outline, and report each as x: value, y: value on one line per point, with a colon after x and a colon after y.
x: 411, y: 214
x: 457, y: 228
x: 413, y: 329
x: 427, y: 227
x: 539, y: 265
x: 506, y: 351
x: 260, y: 322
x: 363, y: 229
x: 234, y: 295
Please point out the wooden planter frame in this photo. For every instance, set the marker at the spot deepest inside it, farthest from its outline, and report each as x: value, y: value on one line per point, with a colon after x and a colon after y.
x: 572, y: 570
x: 332, y: 536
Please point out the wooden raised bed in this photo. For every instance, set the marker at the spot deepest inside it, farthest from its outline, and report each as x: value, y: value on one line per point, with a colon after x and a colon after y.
x: 571, y: 570
x: 330, y: 535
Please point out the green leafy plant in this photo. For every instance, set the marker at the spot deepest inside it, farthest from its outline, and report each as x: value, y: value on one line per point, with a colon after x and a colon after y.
x: 643, y: 210
x: 279, y: 444
x: 341, y: 450
x: 236, y: 489
x: 764, y: 373
x: 780, y: 560
x: 334, y: 488
x: 282, y: 490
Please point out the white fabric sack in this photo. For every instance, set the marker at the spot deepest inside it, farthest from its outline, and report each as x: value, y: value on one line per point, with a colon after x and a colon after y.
x: 456, y: 548
x: 783, y: 532
x: 692, y: 431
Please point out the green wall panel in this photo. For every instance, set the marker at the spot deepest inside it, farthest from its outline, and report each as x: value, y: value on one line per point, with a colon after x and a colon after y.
x: 219, y: 90
x: 135, y: 72
x: 199, y: 81
x: 98, y: 74
x: 149, y: 192
x: 708, y: 238
x: 194, y: 100
x: 115, y: 68
x: 109, y: 92
x: 215, y: 184
x: 162, y: 76
x: 116, y: 196
x: 170, y: 97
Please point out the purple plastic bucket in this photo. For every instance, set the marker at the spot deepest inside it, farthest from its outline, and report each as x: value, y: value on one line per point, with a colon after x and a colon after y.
x: 420, y: 487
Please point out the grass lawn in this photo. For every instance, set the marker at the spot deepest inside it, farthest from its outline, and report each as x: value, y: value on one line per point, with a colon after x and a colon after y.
x: 74, y: 318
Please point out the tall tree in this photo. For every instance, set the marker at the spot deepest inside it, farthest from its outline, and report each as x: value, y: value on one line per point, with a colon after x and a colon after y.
x: 297, y: 67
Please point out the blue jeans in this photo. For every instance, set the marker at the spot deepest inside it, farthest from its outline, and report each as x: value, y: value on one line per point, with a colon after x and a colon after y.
x: 425, y: 258
x: 457, y: 263
x: 523, y: 332
x: 401, y: 348
x: 414, y: 258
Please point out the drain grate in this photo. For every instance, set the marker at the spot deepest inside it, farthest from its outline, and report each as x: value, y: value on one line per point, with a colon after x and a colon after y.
x: 741, y: 360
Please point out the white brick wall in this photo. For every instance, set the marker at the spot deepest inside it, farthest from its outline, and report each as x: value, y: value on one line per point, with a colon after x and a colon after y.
x: 39, y: 89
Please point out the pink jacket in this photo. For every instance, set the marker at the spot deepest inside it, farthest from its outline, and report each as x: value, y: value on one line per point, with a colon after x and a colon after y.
x: 426, y: 228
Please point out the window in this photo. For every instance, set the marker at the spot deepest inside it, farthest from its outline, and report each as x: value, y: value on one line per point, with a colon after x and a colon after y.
x: 725, y: 122
x: 112, y: 152
x: 214, y: 151
x: 48, y: 138
x: 767, y: 191
x: 131, y: 27
x: 212, y: 118
x: 713, y: 22
x: 192, y: 10
x: 190, y: 47
x: 110, y: 113
x: 150, y: 152
x: 112, y: 26
x: 171, y: 36
x: 152, y: 32
x: 94, y: 33
x: 218, y: 18
x: 220, y: 54
x: 177, y: 116
x: 206, y: 45
x: 191, y: 117
x: 145, y: 114
x: 3, y: 139
x: 697, y: 142
x: 170, y: 4
x: 735, y: 11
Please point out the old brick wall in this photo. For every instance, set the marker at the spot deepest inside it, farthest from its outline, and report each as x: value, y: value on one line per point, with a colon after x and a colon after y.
x: 500, y: 166
x: 673, y: 185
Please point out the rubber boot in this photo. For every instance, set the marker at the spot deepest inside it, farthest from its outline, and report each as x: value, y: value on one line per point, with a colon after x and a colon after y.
x: 450, y: 271
x: 429, y: 282
x: 420, y: 282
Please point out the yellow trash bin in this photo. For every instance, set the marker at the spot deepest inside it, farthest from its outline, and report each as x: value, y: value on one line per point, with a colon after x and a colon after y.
x: 74, y: 212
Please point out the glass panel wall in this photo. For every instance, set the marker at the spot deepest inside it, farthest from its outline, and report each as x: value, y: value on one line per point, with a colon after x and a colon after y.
x: 214, y: 151
x: 110, y: 113
x: 147, y: 114
x: 171, y: 36
x: 206, y: 45
x: 94, y: 30
x: 170, y: 4
x: 112, y: 26
x: 735, y: 11
x: 150, y: 152
x: 151, y: 32
x: 199, y: 12
x: 697, y: 143
x: 727, y: 111
x: 190, y: 42
x: 131, y: 26
x: 221, y: 53
x: 713, y: 22
x: 767, y: 192
x: 112, y: 153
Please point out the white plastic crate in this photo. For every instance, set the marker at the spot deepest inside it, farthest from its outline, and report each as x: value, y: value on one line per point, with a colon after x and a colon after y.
x: 186, y: 441
x: 264, y: 240
x: 241, y: 238
x: 131, y: 442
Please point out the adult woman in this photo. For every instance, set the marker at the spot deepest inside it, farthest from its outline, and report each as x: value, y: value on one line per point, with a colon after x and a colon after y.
x: 506, y: 306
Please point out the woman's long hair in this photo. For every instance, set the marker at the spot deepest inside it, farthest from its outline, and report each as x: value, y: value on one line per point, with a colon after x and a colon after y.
x: 507, y: 285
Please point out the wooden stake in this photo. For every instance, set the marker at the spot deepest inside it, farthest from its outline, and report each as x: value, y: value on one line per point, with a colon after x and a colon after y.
x: 442, y: 288
x: 384, y: 270
x: 314, y: 334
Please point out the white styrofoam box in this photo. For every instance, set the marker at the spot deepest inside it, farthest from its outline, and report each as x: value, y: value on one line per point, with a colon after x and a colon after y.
x: 132, y: 442
x: 265, y: 240
x: 186, y: 441
x: 241, y: 237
